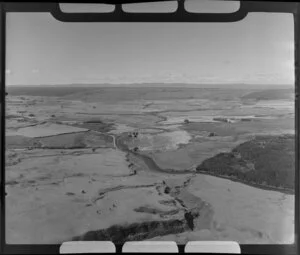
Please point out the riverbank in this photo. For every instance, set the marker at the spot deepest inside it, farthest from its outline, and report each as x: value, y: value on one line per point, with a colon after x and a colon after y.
x: 152, y: 166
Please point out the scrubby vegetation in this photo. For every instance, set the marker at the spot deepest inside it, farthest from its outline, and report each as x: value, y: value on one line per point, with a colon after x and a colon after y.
x: 97, y: 125
x: 63, y: 141
x: 95, y: 121
x: 212, y: 134
x: 135, y: 231
x: 266, y: 160
x: 221, y: 119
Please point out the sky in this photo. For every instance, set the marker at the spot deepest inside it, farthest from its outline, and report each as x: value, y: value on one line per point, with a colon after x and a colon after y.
x: 257, y: 50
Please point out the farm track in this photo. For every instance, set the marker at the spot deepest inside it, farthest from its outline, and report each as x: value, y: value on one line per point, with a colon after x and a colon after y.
x: 102, y: 193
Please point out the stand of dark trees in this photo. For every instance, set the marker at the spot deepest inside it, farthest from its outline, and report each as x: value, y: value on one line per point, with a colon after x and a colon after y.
x: 265, y: 160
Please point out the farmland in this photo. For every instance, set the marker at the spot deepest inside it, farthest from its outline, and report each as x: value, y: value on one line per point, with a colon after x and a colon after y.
x: 184, y: 163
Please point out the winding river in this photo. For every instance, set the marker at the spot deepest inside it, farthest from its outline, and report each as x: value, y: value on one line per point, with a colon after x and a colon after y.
x: 151, y: 164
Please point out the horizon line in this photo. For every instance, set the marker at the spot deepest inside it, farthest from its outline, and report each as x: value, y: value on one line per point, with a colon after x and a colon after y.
x: 149, y: 83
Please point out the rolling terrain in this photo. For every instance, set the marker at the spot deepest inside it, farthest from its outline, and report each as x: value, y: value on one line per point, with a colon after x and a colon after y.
x: 181, y: 163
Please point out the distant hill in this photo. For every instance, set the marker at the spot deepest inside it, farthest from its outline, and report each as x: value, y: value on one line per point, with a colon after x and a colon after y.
x: 67, y: 89
x: 270, y: 94
x: 51, y: 91
x: 94, y: 93
x: 266, y: 161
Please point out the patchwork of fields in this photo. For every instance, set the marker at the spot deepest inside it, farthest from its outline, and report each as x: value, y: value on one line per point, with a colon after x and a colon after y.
x: 92, y: 164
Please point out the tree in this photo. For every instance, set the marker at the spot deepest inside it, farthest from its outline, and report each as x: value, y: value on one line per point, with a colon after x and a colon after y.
x: 212, y: 134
